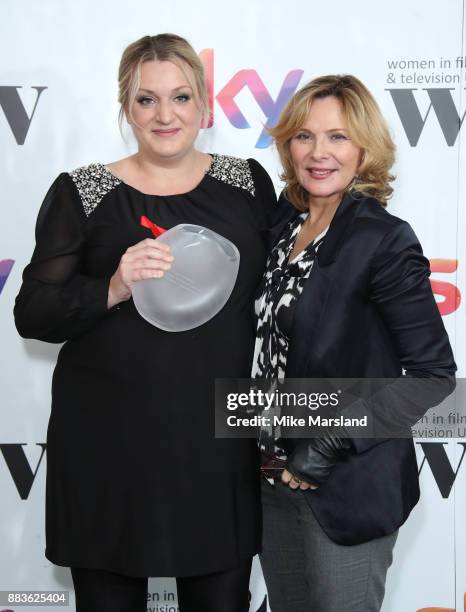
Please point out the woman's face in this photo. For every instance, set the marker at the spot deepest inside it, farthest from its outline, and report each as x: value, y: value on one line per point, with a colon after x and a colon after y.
x: 324, y: 158
x: 165, y: 118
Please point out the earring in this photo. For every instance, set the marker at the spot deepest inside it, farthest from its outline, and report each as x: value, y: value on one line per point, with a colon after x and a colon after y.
x: 353, y: 185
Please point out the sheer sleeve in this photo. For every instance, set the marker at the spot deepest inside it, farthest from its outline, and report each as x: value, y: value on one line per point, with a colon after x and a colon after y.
x: 57, y: 300
x: 264, y: 191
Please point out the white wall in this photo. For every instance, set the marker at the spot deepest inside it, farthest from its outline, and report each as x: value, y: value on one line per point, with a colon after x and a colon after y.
x: 73, y: 50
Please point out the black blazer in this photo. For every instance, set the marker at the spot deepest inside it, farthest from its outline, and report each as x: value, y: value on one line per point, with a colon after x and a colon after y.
x: 367, y: 311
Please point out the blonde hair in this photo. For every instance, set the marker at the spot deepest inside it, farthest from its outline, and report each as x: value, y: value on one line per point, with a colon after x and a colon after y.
x: 165, y: 48
x: 366, y: 126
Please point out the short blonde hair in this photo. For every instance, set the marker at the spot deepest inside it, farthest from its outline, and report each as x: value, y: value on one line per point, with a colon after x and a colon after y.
x: 165, y: 48
x: 366, y: 126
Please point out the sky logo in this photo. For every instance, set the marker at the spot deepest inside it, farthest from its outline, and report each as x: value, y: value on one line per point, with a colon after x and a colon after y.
x: 5, y: 269
x: 248, y: 78
x: 270, y: 107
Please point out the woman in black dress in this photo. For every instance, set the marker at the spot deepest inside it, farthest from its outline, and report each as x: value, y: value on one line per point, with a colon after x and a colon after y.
x: 137, y: 484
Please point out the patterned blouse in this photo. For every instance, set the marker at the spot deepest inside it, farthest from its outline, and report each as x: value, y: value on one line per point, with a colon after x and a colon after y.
x: 275, y: 307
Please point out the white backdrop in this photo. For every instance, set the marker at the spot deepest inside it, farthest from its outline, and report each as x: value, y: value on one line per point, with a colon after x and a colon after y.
x: 58, y: 111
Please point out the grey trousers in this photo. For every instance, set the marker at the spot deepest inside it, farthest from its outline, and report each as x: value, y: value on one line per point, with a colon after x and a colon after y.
x: 305, y: 571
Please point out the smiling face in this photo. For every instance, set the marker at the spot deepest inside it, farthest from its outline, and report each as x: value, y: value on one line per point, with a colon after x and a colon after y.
x: 165, y: 117
x: 324, y: 158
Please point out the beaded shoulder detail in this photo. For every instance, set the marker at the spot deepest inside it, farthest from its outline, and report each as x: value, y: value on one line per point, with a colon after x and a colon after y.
x: 93, y: 182
x: 233, y: 171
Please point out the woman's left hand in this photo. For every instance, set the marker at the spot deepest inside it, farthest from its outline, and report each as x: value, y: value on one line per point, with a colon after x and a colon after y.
x: 294, y: 483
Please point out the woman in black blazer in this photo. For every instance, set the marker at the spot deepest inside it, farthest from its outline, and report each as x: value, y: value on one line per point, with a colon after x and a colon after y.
x: 346, y: 294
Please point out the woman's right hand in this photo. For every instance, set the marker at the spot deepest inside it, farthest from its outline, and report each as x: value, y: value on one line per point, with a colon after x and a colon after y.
x: 149, y: 258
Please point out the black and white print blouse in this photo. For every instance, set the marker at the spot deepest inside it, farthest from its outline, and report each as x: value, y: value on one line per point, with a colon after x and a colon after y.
x: 275, y: 307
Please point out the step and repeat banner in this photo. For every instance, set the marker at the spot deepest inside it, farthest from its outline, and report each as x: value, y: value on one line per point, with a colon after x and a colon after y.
x: 58, y: 111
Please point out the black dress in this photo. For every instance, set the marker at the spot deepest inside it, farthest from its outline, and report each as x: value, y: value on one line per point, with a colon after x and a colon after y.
x: 137, y: 483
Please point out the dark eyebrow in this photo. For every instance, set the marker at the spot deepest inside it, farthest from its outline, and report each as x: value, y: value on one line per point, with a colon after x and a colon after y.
x: 149, y: 91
